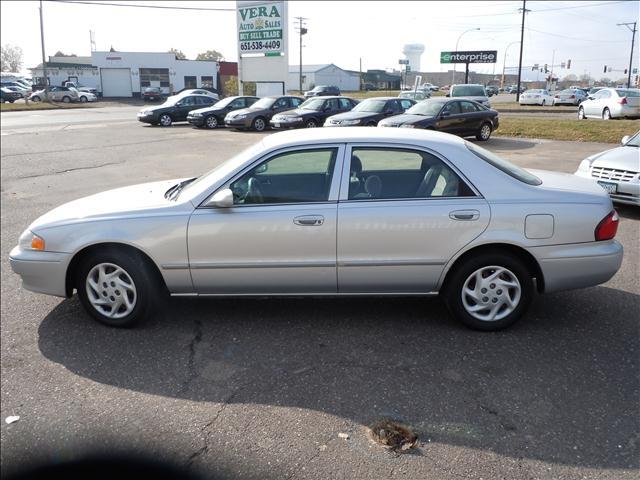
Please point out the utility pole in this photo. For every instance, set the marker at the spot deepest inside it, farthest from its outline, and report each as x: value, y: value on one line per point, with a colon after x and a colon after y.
x: 524, y: 11
x: 302, y: 31
x: 633, y: 38
x: 360, y: 76
x: 44, y: 62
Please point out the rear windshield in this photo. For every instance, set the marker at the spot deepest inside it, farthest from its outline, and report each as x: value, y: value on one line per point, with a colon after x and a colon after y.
x: 628, y: 93
x: 501, y: 164
x: 467, y: 91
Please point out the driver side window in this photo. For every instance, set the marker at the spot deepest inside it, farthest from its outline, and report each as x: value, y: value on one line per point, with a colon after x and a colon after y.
x: 292, y: 177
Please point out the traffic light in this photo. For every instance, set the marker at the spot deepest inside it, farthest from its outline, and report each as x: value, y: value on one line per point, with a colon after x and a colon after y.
x: 546, y: 70
x: 625, y: 71
x: 568, y: 64
x: 605, y: 69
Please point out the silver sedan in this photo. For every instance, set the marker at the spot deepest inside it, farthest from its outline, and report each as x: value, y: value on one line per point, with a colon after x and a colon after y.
x: 344, y: 211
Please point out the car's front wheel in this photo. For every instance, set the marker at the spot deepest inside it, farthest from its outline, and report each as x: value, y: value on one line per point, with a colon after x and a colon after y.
x: 606, y: 114
x: 35, y: 98
x: 311, y: 123
x: 259, y: 124
x: 490, y: 291
x: 116, y: 287
x: 581, y: 115
x: 484, y: 133
x: 211, y: 121
x: 66, y: 99
x: 165, y: 120
x: 83, y: 99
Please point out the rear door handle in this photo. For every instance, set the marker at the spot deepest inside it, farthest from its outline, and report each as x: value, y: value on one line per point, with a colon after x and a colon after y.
x: 467, y: 215
x: 309, y: 220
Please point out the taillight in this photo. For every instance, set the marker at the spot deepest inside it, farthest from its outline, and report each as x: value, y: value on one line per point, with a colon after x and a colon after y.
x: 623, y: 101
x: 572, y: 96
x: 607, y: 227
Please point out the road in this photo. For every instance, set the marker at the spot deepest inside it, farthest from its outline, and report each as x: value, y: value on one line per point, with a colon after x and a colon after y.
x: 261, y: 388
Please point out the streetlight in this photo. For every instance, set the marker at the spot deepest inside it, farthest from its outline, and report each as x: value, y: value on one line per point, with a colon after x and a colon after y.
x: 453, y: 75
x: 504, y: 63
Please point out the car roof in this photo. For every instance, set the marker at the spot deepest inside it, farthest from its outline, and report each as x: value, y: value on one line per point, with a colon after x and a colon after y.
x: 327, y: 97
x: 359, y: 134
x: 380, y: 98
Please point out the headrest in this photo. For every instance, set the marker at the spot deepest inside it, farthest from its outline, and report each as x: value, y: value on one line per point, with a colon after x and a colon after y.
x: 373, y: 186
x: 356, y: 165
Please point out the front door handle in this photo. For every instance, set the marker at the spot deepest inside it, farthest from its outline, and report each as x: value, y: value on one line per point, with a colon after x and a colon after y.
x: 467, y: 215
x: 309, y: 220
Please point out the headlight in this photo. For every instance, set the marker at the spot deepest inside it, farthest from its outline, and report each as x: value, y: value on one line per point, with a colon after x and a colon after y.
x: 293, y: 119
x: 196, y: 114
x: 31, y: 241
x: 585, y: 165
x: 240, y: 117
x: 407, y: 125
x: 350, y: 122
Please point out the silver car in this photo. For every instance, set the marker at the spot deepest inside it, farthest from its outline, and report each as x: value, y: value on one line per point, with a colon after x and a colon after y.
x: 608, y: 103
x: 343, y: 211
x: 56, y: 94
x: 616, y: 170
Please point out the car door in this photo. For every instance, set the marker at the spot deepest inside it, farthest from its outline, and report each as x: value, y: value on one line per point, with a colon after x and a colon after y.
x: 591, y: 107
x: 405, y: 104
x: 280, y: 105
x: 183, y: 107
x: 279, y: 237
x: 329, y: 108
x: 414, y: 213
x: 471, y: 118
x: 450, y: 118
x: 344, y: 105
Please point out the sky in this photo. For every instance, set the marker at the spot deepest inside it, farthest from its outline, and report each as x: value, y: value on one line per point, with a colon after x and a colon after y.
x: 346, y: 32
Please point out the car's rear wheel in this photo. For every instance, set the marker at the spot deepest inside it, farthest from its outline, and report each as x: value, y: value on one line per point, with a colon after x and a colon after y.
x: 543, y: 103
x: 66, y: 99
x: 211, y: 121
x: 311, y: 123
x: 259, y: 124
x: 83, y: 99
x: 606, y: 114
x: 165, y: 120
x: 484, y: 133
x: 581, y: 115
x: 117, y: 288
x: 490, y: 291
x: 35, y: 98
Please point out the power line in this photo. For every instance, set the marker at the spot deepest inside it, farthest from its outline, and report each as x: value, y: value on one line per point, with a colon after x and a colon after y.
x: 576, y: 38
x: 163, y: 7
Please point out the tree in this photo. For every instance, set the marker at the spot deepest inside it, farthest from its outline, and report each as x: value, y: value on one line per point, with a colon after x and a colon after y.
x: 585, y: 78
x: 10, y: 58
x: 230, y: 87
x: 60, y: 54
x: 605, y: 80
x: 178, y: 53
x: 210, y: 55
x: 570, y: 78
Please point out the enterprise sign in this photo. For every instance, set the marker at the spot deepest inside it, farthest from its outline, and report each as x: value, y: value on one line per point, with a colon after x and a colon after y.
x: 477, y: 56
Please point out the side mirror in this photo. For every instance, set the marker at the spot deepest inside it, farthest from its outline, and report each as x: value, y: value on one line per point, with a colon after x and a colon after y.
x: 447, y: 95
x: 625, y: 139
x: 590, y: 97
x: 179, y: 104
x: 221, y: 199
x: 445, y: 114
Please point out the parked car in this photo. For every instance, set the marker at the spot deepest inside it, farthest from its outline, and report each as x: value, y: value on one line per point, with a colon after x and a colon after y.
x: 444, y: 88
x: 369, y: 87
x: 459, y: 117
x: 469, y: 91
x: 313, y: 112
x: 9, y: 96
x: 152, y: 94
x: 616, y: 170
x: 175, y: 109
x: 416, y: 95
x: 609, y: 103
x: 492, y: 90
x: 258, y: 115
x: 430, y: 87
x: 84, y: 97
x: 81, y: 88
x: 213, y: 116
x: 20, y: 91
x: 569, y: 97
x: 370, y: 111
x: 322, y: 91
x: 197, y: 91
x: 593, y: 90
x: 537, y: 96
x: 56, y: 94
x: 421, y: 212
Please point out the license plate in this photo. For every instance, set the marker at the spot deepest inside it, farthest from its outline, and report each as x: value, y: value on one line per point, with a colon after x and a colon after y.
x: 609, y: 187
x: 277, y: 125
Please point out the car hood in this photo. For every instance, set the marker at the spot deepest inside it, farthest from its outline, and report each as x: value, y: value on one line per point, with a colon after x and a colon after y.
x: 620, y: 158
x: 404, y: 119
x: 206, y: 110
x: 298, y: 112
x: 353, y: 115
x: 247, y: 111
x: 155, y: 108
x: 133, y: 200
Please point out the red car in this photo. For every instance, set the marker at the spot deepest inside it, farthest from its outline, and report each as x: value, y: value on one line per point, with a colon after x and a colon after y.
x: 152, y: 94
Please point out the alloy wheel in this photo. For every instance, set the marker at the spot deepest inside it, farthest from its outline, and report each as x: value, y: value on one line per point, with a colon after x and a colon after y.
x: 211, y: 121
x: 165, y: 120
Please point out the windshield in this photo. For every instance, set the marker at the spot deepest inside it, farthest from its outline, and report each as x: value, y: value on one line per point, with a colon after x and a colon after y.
x: 370, y: 105
x: 468, y: 91
x: 628, y: 93
x: 426, y: 108
x: 264, y: 102
x: 318, y: 89
x: 225, y: 102
x: 152, y: 89
x: 501, y: 164
x: 634, y: 141
x: 313, y: 104
x: 533, y: 91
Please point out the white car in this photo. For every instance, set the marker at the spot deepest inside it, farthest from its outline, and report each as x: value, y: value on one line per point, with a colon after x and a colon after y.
x: 536, y: 97
x: 197, y: 91
x: 616, y: 170
x: 84, y: 97
x: 609, y: 103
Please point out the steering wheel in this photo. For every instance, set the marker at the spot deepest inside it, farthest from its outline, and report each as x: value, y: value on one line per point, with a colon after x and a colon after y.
x: 254, y: 192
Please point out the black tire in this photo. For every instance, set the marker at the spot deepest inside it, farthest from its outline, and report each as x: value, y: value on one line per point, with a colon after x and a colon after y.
x: 165, y: 120
x: 312, y: 123
x: 371, y: 124
x: 35, y: 99
x: 581, y: 115
x: 457, y: 278
x: 485, y: 132
x: 66, y: 99
x: 259, y: 124
x: 211, y: 122
x: 83, y: 99
x: 144, y: 281
x: 606, y: 114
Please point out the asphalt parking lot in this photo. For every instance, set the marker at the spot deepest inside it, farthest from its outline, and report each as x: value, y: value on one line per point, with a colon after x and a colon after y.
x: 261, y: 388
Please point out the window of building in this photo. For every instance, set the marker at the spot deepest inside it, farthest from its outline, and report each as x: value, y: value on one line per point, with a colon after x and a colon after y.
x: 190, y: 82
x: 154, y: 77
x: 206, y: 82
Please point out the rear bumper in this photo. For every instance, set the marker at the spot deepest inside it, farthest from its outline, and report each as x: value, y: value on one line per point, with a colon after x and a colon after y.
x: 41, y: 272
x: 625, y: 111
x: 579, y: 265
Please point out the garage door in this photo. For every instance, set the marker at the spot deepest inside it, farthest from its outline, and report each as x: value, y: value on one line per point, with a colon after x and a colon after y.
x: 116, y: 82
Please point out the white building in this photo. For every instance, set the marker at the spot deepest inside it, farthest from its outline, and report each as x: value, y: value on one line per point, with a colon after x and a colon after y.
x: 325, y: 74
x: 126, y: 74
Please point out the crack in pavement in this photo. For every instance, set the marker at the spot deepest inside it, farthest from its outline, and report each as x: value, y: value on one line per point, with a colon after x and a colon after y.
x: 191, y: 369
x: 70, y: 170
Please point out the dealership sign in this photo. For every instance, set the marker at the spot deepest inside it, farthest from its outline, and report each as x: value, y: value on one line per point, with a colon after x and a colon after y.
x: 260, y: 28
x: 478, y: 56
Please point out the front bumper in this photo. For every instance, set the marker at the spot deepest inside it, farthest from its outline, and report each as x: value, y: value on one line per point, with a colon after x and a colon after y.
x: 41, y: 272
x: 578, y: 265
x: 197, y: 121
x: 238, y: 123
x: 146, y: 118
x: 279, y: 124
x: 626, y: 192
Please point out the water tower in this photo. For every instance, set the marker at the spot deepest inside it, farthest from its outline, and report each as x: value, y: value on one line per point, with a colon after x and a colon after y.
x: 413, y: 52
